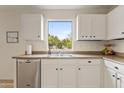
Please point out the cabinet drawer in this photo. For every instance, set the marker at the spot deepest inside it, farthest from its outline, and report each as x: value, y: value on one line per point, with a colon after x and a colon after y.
x: 90, y: 61
x: 28, y: 60
x: 114, y: 66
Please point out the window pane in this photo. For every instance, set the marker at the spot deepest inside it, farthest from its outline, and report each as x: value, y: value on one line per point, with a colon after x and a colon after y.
x: 60, y: 35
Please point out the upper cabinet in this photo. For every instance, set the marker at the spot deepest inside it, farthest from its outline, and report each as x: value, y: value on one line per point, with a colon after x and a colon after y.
x: 32, y: 26
x: 116, y: 23
x: 91, y: 27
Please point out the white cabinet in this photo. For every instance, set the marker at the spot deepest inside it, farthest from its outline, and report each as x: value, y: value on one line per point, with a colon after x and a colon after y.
x: 116, y: 23
x: 89, y: 77
x: 32, y: 26
x: 89, y: 74
x: 67, y: 73
x: 120, y: 81
x: 113, y: 75
x: 109, y: 78
x: 91, y: 27
x: 58, y: 73
x: 71, y: 73
x: 49, y: 73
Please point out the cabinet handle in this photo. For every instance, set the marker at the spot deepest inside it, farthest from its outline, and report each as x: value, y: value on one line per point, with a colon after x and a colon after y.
x: 90, y: 36
x: 82, y: 36
x: 116, y: 68
x: 56, y: 68
x: 122, y: 32
x: 28, y: 85
x: 118, y: 78
x: 94, y: 36
x: 89, y: 61
x: 113, y: 75
x: 86, y: 36
x: 61, y: 68
x: 79, y: 68
x: 27, y: 62
x: 38, y: 36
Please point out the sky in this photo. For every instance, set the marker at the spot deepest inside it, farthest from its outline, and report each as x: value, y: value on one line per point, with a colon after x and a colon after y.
x: 60, y: 28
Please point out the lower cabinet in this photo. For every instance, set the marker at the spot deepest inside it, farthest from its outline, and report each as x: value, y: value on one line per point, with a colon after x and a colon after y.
x: 89, y: 77
x: 120, y: 80
x: 109, y: 78
x: 70, y: 73
x: 113, y: 75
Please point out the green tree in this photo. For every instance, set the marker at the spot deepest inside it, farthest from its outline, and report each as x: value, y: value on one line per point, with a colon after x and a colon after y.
x: 55, y: 41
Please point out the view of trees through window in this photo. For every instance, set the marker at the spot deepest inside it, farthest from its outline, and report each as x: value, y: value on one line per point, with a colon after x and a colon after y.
x: 60, y: 35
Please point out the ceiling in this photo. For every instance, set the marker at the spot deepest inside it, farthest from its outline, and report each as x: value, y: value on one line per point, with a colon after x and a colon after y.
x: 107, y: 8
x: 77, y: 6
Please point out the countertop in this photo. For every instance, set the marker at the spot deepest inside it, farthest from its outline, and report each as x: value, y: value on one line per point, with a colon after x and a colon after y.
x: 113, y: 58
x: 68, y: 56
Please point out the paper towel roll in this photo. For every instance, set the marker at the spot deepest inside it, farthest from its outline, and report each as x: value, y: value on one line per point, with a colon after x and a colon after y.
x: 29, y: 49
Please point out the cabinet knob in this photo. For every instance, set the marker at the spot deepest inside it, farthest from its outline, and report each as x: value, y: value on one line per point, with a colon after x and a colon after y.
x: 38, y: 36
x: 116, y: 68
x: 79, y: 68
x: 89, y: 61
x: 94, y: 36
x: 56, y: 68
x: 118, y: 78
x: 86, y: 36
x: 82, y: 36
x: 61, y: 68
x: 113, y: 75
x: 122, y: 32
x: 90, y: 36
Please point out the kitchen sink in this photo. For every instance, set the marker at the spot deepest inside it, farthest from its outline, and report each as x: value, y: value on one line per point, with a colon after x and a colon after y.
x: 60, y: 55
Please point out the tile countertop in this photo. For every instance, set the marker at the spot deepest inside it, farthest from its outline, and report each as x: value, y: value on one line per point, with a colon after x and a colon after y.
x: 113, y: 58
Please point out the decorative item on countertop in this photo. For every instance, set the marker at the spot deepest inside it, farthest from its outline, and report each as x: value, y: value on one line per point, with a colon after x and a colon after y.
x: 28, y: 49
x: 108, y: 49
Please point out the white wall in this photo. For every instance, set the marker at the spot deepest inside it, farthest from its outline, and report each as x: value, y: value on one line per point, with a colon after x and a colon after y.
x: 118, y: 45
x: 11, y: 21
x: 8, y: 22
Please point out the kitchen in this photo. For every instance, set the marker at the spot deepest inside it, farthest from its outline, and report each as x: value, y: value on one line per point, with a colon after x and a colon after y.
x: 94, y: 28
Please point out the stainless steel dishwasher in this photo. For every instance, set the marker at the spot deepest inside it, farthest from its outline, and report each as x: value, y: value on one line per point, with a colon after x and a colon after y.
x: 28, y: 73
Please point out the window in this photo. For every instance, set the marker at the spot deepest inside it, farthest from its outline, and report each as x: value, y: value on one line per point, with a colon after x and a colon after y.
x: 60, y: 35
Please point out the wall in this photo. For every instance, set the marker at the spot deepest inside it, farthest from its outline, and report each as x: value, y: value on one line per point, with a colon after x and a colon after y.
x: 8, y: 22
x: 118, y: 45
x: 11, y: 20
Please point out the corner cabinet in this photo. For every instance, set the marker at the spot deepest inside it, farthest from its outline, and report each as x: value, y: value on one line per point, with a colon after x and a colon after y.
x: 71, y: 73
x: 91, y: 27
x: 113, y: 75
x: 32, y: 26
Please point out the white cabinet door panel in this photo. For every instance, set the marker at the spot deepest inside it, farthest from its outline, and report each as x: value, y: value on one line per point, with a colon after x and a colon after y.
x: 89, y: 76
x: 99, y: 27
x: 49, y: 74
x: 68, y: 76
x: 109, y: 78
x: 32, y: 25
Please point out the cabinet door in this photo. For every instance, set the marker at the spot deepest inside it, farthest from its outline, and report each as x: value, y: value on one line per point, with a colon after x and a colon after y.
x: 89, y: 76
x: 83, y: 27
x: 120, y: 81
x: 67, y: 74
x: 98, y: 27
x: 32, y: 25
x: 116, y: 23
x: 109, y: 78
x: 49, y: 73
